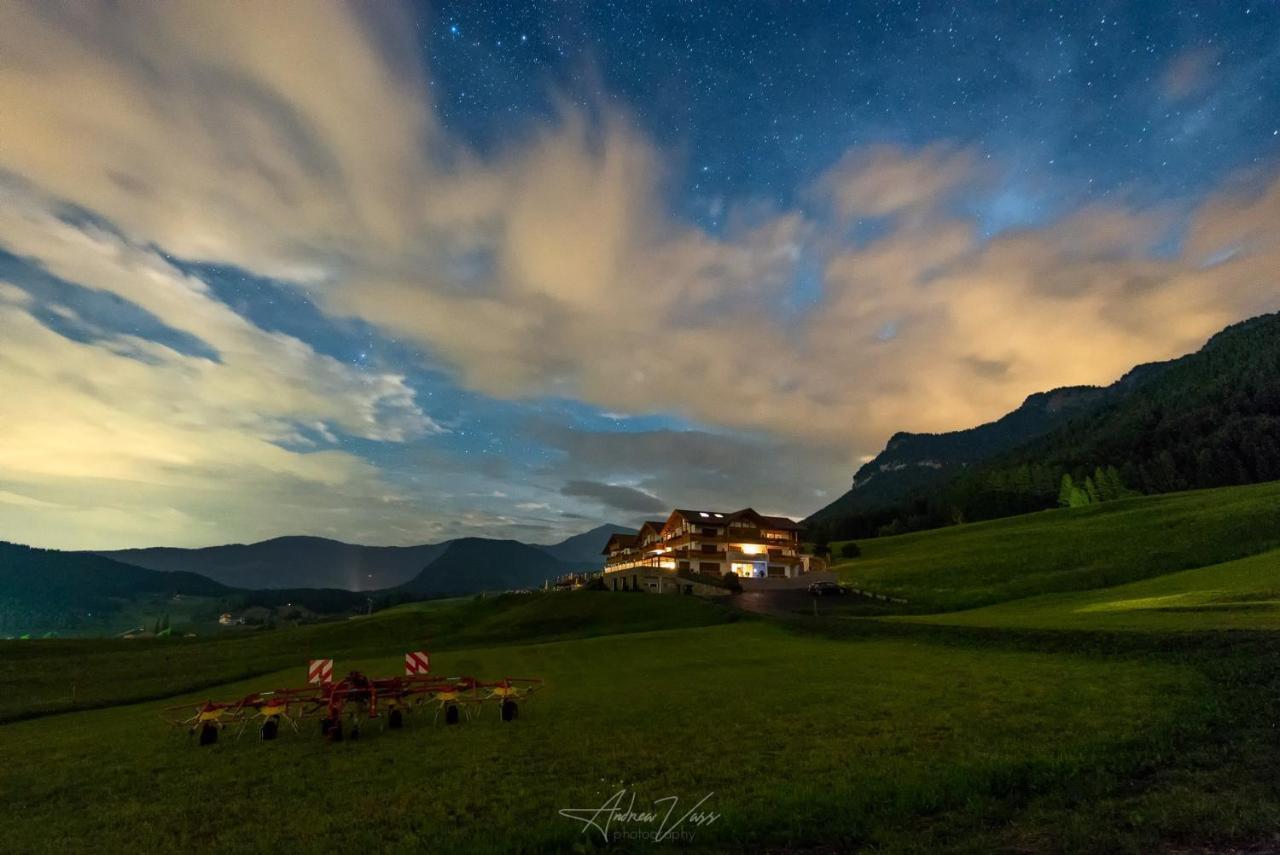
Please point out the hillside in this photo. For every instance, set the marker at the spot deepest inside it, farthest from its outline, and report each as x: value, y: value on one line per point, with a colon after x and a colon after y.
x: 583, y: 550
x: 1209, y: 420
x: 35, y: 675
x: 291, y: 562
x: 914, y: 461
x: 44, y: 590
x: 1241, y: 594
x: 1205, y: 420
x: 318, y: 562
x: 971, y: 741
x: 1073, y: 549
x: 473, y: 564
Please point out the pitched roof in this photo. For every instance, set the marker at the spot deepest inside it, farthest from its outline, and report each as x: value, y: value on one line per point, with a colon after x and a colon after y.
x: 623, y: 541
x: 698, y: 516
x: 721, y: 517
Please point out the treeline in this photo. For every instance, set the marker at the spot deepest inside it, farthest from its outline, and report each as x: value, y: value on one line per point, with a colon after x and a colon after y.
x: 986, y: 494
x: 318, y: 600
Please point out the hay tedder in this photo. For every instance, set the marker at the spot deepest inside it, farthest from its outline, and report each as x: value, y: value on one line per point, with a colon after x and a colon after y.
x: 343, y: 706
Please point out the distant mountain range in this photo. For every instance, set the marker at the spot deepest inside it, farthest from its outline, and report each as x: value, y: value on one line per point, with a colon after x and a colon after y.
x: 317, y: 562
x: 477, y: 564
x: 1208, y: 419
x: 45, y: 590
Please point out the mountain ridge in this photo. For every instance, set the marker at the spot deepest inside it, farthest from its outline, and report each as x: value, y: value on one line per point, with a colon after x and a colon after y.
x: 1208, y: 418
x: 473, y: 564
x: 306, y: 561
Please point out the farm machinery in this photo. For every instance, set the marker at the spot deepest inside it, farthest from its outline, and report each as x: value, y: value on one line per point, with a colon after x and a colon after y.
x: 343, y: 706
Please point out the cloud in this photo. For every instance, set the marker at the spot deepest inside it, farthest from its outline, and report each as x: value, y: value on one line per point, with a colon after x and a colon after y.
x: 224, y: 131
x: 615, y: 496
x: 695, y: 468
x: 93, y: 424
x: 533, y: 506
x: 228, y: 133
x: 1189, y: 73
x: 884, y: 180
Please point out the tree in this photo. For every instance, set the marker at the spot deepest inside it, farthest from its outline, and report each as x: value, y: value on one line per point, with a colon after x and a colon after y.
x: 1115, y: 484
x: 1091, y: 490
x: 1021, y: 481
x: 1105, y: 493
x: 822, y: 543
x: 1067, y: 491
x: 850, y: 550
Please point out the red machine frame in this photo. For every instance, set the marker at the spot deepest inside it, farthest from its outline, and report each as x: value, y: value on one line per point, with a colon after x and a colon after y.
x: 344, y: 705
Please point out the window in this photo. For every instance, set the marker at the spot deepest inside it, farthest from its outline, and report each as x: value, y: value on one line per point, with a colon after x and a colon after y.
x: 710, y: 532
x: 709, y: 567
x: 709, y: 547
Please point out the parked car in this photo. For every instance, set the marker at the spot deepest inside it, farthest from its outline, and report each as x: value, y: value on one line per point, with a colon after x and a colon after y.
x: 825, y: 589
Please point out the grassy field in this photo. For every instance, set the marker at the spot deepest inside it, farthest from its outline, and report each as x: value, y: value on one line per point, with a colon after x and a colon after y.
x: 1242, y: 594
x: 1101, y: 697
x: 44, y: 676
x: 798, y: 738
x: 1079, y: 549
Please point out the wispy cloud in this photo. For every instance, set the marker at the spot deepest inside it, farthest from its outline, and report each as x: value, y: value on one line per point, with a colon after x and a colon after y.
x: 617, y: 496
x: 228, y: 133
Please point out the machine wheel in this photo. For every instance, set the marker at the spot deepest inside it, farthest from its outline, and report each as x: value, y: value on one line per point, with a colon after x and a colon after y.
x: 510, y: 710
x: 355, y: 732
x: 208, y: 734
x: 270, y: 729
x: 326, y: 725
x: 395, y: 720
x: 451, y: 714
x: 335, y: 732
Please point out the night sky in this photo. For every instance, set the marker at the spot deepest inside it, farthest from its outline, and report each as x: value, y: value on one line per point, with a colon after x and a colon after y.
x: 393, y: 274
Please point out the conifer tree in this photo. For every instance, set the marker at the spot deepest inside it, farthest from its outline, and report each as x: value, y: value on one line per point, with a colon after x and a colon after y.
x: 1067, y: 491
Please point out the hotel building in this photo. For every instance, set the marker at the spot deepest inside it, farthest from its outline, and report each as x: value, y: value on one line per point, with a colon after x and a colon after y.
x: 744, y: 543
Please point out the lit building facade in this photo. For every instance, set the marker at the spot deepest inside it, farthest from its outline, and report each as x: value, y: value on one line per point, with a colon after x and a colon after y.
x: 744, y: 543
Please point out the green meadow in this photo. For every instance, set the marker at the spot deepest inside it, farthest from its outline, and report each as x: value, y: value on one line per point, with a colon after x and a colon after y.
x: 798, y: 738
x: 49, y: 675
x: 1075, y: 549
x: 1097, y: 679
x: 1243, y: 594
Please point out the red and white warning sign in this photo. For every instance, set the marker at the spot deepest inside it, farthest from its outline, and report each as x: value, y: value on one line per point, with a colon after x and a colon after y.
x: 418, y: 662
x: 320, y: 671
